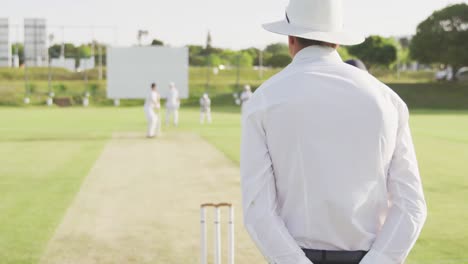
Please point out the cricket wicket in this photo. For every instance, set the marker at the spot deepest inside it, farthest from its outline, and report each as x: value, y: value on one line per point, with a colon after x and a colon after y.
x: 217, y: 232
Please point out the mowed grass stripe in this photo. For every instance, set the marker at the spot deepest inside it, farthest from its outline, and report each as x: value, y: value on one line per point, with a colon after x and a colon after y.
x: 444, y: 173
x: 45, y: 154
x: 38, y: 180
x: 438, y: 135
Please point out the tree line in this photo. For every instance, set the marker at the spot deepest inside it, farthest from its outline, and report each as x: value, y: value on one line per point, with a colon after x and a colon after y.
x: 440, y: 39
x: 71, y: 50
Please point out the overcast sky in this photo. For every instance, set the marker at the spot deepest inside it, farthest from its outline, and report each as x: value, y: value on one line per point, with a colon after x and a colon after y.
x: 233, y: 24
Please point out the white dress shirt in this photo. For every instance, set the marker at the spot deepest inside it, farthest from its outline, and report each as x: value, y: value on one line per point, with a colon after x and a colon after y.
x: 328, y: 163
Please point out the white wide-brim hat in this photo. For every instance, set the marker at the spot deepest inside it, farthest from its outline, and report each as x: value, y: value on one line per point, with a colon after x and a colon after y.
x: 320, y: 20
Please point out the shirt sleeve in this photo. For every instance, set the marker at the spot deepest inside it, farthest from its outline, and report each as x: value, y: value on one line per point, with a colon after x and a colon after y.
x: 261, y: 220
x: 408, y: 211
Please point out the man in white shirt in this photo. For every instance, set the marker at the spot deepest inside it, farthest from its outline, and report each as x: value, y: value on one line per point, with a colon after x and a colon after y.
x: 329, y: 172
x: 245, y: 96
x: 152, y: 102
x: 172, y: 105
x: 205, y: 109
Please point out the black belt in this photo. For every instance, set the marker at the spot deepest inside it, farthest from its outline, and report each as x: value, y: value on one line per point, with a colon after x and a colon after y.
x: 329, y: 256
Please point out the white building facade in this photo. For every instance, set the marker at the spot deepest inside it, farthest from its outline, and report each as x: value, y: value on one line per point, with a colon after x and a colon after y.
x: 5, y: 43
x: 35, y: 42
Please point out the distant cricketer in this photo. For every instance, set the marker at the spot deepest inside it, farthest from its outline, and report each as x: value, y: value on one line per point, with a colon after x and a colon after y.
x: 152, y: 102
x: 205, y: 109
x: 245, y: 96
x: 172, y: 105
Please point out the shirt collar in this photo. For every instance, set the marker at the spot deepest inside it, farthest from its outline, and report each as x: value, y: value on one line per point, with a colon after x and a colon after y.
x: 318, y: 53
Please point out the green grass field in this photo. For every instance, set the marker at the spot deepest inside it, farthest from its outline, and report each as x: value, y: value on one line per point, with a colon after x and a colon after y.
x: 47, y: 152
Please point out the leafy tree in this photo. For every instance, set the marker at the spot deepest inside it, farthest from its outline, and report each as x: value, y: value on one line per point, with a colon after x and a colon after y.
x: 404, y: 42
x: 243, y: 59
x: 195, y: 49
x: 70, y: 51
x: 277, y: 48
x: 266, y: 57
x: 443, y: 37
x: 197, y: 60
x: 375, y: 51
x: 276, y: 55
x: 213, y: 60
x: 201, y: 56
x: 55, y: 50
x: 209, y: 41
x: 195, y: 55
x: 20, y: 48
x: 157, y: 42
x: 84, y: 51
x: 246, y: 59
x: 404, y: 56
x: 344, y: 54
x: 279, y: 60
x: 211, y: 50
x: 254, y: 53
x: 102, y: 52
x: 228, y: 56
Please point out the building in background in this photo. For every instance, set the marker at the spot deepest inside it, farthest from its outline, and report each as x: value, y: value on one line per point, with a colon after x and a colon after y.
x: 35, y: 42
x: 5, y: 43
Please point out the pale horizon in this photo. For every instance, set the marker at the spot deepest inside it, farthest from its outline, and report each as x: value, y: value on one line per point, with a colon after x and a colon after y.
x: 234, y: 24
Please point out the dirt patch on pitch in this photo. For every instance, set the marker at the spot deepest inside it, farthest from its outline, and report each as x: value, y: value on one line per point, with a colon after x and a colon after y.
x: 140, y: 204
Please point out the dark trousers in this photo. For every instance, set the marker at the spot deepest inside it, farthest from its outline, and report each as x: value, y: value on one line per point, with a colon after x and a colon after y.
x: 334, y: 257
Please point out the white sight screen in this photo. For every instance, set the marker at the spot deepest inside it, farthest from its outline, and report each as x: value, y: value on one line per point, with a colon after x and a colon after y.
x: 130, y: 71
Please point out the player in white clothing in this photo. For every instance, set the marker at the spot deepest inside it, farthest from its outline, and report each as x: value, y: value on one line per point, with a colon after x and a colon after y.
x: 205, y: 109
x: 245, y: 96
x: 152, y: 102
x: 172, y: 104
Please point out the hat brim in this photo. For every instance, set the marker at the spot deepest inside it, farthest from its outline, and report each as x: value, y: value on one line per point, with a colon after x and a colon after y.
x: 341, y: 38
